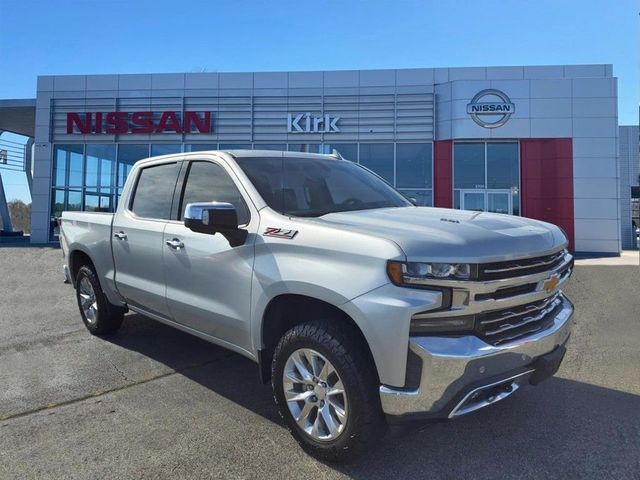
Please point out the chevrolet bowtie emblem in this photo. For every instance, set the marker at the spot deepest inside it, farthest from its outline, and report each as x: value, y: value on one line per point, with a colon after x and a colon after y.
x: 550, y: 283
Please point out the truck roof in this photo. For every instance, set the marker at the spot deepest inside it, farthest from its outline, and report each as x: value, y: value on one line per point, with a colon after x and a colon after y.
x: 239, y: 154
x: 277, y: 153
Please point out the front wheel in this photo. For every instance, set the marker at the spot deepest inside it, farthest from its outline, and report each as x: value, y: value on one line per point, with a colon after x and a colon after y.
x: 325, y: 388
x: 98, y: 315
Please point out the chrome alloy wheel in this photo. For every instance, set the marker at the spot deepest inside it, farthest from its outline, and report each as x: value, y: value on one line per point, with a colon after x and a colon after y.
x: 88, y: 301
x: 315, y: 394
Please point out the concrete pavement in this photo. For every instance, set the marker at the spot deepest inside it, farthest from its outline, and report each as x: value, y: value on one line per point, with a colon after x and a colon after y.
x: 152, y: 402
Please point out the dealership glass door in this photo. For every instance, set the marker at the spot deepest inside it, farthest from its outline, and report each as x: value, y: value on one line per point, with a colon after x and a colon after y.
x: 496, y: 201
x: 486, y: 176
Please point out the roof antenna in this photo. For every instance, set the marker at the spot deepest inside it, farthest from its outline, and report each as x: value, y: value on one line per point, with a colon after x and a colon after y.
x: 336, y: 153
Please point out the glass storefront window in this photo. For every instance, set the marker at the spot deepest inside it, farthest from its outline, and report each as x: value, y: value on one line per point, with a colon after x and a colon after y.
x: 468, y: 165
x: 349, y: 151
x: 100, y: 165
x: 68, y: 165
x: 92, y: 176
x: 161, y: 149
x: 74, y: 200
x: 414, y: 165
x: 378, y: 157
x: 200, y: 147
x: 270, y: 146
x: 422, y: 198
x: 127, y: 156
x: 304, y: 147
x: 502, y: 165
x: 235, y: 146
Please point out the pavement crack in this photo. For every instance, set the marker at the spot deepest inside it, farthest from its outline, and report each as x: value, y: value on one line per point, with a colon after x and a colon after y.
x: 122, y: 374
x: 111, y: 390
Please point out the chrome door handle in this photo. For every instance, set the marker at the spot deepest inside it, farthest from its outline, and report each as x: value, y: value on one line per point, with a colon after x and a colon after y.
x: 176, y: 244
x: 120, y: 235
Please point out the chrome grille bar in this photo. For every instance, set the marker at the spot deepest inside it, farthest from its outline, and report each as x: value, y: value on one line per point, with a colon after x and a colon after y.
x: 533, y: 263
x: 525, y: 321
x: 527, y: 309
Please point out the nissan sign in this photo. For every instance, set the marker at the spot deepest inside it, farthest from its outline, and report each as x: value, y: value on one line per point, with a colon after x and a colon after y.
x: 490, y: 108
x: 120, y: 123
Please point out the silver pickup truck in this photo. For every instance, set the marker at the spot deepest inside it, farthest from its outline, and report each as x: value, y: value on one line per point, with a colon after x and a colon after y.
x: 359, y: 307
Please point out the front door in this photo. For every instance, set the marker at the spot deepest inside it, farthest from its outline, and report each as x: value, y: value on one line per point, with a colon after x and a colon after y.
x: 208, y: 281
x: 496, y: 201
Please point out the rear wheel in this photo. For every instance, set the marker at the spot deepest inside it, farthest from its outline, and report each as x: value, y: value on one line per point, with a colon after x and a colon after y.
x: 326, y: 391
x: 99, y: 316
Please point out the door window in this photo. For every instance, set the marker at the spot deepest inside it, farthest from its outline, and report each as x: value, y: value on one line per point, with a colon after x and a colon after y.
x: 154, y: 191
x: 209, y: 182
x: 473, y: 201
x: 499, y: 202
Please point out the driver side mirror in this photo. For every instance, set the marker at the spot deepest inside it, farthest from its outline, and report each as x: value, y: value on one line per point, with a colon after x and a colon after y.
x: 215, y: 217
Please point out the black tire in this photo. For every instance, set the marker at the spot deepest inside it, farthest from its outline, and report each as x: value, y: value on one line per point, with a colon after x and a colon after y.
x: 108, y: 317
x: 365, y: 421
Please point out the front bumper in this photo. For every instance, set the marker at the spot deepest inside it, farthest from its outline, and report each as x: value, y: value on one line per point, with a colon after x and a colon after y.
x: 457, y: 375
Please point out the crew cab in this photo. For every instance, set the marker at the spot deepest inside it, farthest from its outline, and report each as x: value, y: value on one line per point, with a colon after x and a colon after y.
x: 359, y: 307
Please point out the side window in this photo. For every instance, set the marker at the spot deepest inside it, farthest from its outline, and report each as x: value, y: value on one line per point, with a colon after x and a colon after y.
x: 154, y: 191
x: 209, y: 182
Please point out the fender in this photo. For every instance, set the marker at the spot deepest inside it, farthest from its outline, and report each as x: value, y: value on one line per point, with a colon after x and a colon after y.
x: 104, y: 270
x: 296, y: 288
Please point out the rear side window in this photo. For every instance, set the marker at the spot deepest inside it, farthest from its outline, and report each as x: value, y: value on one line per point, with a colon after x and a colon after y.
x: 154, y: 191
x: 209, y: 182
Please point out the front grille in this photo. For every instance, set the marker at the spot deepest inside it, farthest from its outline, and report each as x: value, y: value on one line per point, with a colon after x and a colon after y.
x: 500, y: 326
x: 507, y: 292
x: 521, y: 267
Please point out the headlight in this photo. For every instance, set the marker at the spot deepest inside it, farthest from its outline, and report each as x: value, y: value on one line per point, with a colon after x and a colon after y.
x: 417, y: 273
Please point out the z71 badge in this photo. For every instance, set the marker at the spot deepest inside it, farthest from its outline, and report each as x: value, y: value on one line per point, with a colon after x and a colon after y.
x: 280, y: 233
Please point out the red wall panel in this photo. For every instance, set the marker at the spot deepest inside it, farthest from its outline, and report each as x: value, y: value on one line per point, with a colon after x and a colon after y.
x: 443, y: 173
x: 546, y: 167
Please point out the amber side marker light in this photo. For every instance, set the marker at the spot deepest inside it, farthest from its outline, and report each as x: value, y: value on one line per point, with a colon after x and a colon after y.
x: 394, y: 270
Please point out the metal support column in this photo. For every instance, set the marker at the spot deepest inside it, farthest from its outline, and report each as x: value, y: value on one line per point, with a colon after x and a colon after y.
x: 28, y: 162
x: 4, y: 210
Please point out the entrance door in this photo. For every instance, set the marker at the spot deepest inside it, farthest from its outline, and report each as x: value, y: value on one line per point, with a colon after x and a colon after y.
x: 496, y: 201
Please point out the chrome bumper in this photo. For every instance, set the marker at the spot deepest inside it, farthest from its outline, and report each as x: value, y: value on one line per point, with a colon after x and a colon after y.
x: 461, y: 374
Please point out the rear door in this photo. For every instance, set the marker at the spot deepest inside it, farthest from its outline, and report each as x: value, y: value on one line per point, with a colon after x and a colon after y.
x: 208, y: 281
x: 137, y: 238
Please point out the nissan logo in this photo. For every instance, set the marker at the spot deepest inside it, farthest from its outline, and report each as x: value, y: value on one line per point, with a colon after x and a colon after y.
x: 494, y: 111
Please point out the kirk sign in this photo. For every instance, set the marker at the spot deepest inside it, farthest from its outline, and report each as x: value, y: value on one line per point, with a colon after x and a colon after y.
x: 305, y: 123
x: 122, y: 123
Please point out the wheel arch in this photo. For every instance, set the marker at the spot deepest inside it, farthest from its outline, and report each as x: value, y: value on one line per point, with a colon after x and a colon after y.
x: 77, y: 259
x: 286, y: 310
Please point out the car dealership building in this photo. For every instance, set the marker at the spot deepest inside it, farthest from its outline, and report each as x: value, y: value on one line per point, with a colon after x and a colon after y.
x: 536, y: 141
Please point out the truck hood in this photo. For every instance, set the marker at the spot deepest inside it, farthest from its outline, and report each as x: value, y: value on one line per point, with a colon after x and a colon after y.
x: 426, y: 233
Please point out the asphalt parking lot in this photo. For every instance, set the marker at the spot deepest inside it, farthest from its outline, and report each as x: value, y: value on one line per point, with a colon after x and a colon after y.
x: 152, y: 402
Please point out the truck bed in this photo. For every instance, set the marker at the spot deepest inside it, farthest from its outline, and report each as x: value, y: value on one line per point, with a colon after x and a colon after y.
x: 89, y: 232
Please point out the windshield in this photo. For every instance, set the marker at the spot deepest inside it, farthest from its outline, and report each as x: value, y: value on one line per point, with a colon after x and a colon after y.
x: 311, y: 187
